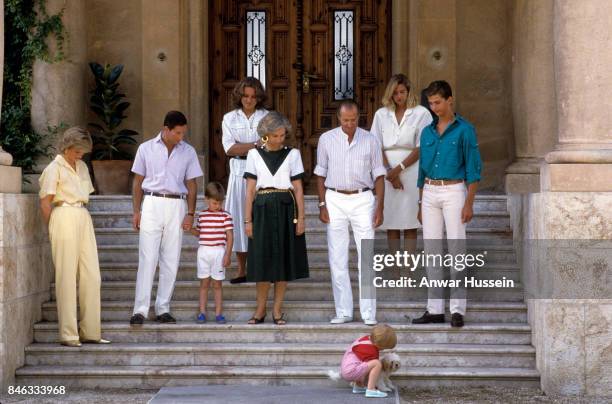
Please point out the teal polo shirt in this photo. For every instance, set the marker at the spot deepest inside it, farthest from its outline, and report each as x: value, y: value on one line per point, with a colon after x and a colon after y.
x: 453, y: 155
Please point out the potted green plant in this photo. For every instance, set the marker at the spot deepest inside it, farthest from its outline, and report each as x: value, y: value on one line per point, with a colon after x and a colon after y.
x: 113, y: 149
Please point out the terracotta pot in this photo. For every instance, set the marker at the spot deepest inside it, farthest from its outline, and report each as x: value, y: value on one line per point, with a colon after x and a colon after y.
x: 113, y: 177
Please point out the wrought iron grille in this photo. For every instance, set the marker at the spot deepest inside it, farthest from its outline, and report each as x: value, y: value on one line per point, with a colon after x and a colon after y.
x: 343, y: 52
x: 256, y: 45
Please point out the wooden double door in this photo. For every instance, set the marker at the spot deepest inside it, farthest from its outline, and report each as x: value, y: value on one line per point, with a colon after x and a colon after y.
x: 309, y: 54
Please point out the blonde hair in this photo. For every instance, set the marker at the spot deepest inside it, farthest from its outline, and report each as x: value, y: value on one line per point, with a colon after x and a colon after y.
x: 397, y: 79
x: 383, y: 336
x: 76, y: 137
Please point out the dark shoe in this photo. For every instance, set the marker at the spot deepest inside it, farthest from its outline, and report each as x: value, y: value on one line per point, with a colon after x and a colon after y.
x: 166, y: 318
x: 137, y: 319
x: 280, y: 320
x: 456, y: 320
x: 429, y: 318
x: 255, y: 320
x: 240, y: 279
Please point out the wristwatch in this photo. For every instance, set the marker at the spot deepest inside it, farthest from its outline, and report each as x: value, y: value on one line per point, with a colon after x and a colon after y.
x: 401, y: 164
x: 322, y: 203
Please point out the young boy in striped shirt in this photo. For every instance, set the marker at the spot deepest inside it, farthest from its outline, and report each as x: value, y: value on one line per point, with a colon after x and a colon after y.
x: 214, y: 229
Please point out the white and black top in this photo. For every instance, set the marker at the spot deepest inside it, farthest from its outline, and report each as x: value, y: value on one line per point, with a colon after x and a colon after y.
x: 274, y: 169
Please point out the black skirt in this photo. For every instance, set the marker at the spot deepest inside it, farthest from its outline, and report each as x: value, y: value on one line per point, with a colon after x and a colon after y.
x: 275, y: 252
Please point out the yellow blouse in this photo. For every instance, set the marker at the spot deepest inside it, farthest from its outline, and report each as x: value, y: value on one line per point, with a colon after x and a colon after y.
x: 60, y: 179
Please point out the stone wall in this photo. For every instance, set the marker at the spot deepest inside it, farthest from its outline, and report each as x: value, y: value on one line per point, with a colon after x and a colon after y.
x: 572, y: 337
x: 114, y: 35
x: 484, y: 82
x: 468, y: 44
x: 26, y: 273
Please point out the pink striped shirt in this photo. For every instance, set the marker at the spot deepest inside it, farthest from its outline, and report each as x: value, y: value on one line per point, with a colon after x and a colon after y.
x: 212, y: 226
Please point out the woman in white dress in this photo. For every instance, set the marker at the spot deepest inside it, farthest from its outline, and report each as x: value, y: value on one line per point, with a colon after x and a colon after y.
x: 239, y: 136
x: 398, y: 125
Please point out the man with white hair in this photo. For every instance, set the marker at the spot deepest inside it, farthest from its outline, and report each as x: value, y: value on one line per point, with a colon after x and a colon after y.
x: 349, y: 167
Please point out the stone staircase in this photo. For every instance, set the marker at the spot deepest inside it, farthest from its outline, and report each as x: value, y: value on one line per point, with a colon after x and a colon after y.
x: 494, y: 347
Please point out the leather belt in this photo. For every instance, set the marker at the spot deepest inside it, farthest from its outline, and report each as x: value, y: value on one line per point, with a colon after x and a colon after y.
x: 73, y: 205
x: 442, y: 182
x: 342, y: 191
x: 171, y: 196
x: 239, y: 157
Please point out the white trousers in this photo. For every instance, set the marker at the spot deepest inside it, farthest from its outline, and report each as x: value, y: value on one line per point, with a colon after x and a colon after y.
x: 161, y: 237
x: 442, y: 205
x: 358, y: 211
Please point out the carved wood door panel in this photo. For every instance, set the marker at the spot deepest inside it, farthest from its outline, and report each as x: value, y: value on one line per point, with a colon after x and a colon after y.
x: 314, y: 54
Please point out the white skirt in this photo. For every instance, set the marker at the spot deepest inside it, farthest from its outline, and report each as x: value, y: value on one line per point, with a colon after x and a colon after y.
x: 401, y: 206
x: 234, y: 203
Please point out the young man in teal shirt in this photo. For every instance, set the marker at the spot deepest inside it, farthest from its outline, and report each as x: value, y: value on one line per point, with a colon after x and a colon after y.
x: 449, y: 172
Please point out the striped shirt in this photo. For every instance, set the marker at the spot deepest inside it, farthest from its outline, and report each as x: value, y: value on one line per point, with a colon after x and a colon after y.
x: 349, y: 166
x: 212, y: 226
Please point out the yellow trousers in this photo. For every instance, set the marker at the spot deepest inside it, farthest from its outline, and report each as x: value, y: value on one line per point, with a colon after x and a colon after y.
x: 75, y: 256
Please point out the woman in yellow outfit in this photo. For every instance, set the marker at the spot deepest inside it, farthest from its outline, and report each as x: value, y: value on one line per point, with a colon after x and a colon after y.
x: 64, y: 191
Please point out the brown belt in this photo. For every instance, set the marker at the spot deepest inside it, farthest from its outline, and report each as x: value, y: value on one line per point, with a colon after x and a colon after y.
x: 357, y: 191
x: 442, y: 182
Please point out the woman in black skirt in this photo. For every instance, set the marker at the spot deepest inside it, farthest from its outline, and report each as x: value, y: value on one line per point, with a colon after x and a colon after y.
x: 274, y: 215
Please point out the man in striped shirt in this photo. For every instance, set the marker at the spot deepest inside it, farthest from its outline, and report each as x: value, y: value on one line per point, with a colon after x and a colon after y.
x: 214, y: 229
x: 349, y: 166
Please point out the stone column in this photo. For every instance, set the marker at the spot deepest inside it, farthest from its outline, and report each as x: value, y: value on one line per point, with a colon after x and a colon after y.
x: 534, y: 106
x: 572, y: 334
x: 59, y: 90
x: 10, y: 177
x: 582, y: 158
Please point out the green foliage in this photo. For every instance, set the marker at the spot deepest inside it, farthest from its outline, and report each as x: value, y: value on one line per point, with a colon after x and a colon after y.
x: 26, y: 31
x: 107, y: 103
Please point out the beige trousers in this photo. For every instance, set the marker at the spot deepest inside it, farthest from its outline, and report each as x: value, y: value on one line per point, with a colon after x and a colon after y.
x: 75, y: 256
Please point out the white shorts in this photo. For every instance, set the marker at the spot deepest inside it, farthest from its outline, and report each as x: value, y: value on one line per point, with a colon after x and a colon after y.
x: 210, y: 262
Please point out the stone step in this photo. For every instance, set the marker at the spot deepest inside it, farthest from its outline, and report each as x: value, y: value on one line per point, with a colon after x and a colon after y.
x: 155, y: 377
x: 273, y: 354
x: 488, y: 236
x: 319, y: 271
x: 482, y: 202
x: 302, y: 289
x: 317, y: 253
x: 299, y: 333
x: 309, y: 311
x: 123, y: 219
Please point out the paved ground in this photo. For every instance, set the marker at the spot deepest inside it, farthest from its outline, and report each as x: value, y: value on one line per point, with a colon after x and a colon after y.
x: 438, y: 396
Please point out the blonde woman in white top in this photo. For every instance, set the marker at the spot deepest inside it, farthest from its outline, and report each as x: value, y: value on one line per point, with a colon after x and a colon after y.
x: 398, y: 125
x: 240, y: 136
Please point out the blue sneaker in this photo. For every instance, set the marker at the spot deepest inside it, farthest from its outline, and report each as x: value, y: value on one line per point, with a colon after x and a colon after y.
x: 201, y: 318
x: 220, y: 319
x: 375, y: 394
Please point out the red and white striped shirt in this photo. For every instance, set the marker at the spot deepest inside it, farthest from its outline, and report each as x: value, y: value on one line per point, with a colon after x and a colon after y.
x: 212, y: 226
